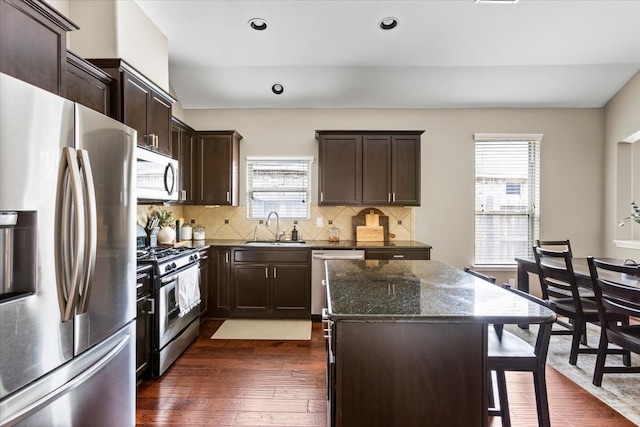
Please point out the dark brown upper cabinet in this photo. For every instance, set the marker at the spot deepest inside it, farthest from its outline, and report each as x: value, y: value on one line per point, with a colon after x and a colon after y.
x: 88, y: 85
x: 340, y: 168
x: 33, y: 43
x: 369, y: 167
x: 140, y: 103
x: 183, y: 150
x: 216, y: 158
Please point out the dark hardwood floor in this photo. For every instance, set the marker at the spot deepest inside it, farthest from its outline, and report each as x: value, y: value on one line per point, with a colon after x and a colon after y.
x: 282, y: 383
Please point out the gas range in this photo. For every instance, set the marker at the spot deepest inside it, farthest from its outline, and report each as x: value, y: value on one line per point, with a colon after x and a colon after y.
x: 166, y: 260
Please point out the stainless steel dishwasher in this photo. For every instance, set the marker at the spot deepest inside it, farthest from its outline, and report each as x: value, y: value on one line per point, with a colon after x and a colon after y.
x: 318, y: 294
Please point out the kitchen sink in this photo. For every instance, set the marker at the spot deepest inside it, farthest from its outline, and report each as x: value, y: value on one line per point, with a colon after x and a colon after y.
x: 275, y: 242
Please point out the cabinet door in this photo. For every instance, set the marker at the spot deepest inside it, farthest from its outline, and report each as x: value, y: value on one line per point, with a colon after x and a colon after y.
x: 159, y: 123
x: 376, y: 170
x: 405, y: 167
x: 205, y: 279
x: 251, y: 288
x: 33, y: 44
x: 87, y: 84
x: 143, y: 338
x: 182, y: 150
x: 290, y: 296
x: 215, y: 169
x: 221, y: 282
x: 136, y: 108
x: 340, y: 169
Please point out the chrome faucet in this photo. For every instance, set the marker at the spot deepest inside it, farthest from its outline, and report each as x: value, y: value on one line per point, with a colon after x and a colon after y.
x: 268, y: 223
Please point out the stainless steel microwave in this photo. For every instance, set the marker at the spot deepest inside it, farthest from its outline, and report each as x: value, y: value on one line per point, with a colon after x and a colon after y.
x: 156, y: 176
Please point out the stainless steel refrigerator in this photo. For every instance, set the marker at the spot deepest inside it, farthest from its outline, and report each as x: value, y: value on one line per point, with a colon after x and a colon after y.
x: 67, y: 308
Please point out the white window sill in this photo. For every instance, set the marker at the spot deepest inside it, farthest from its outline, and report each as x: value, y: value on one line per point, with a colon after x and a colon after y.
x: 629, y: 244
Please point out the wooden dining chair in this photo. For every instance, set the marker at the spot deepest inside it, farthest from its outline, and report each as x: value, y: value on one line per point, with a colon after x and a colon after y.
x: 556, y: 245
x: 556, y: 270
x: 615, y: 297
x: 511, y: 353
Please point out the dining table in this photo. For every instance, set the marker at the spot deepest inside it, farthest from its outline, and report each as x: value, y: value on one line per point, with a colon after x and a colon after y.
x: 528, y: 265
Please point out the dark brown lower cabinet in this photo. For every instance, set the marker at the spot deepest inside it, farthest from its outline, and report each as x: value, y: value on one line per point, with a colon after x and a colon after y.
x: 205, y: 279
x: 143, y: 321
x: 264, y: 285
x: 220, y: 283
x: 408, y: 374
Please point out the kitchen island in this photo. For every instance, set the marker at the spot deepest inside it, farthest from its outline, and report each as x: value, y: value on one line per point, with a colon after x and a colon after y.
x: 407, y: 342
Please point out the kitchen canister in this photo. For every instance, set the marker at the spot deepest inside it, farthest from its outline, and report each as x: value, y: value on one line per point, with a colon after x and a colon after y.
x: 334, y: 234
x: 187, y: 231
x: 198, y: 232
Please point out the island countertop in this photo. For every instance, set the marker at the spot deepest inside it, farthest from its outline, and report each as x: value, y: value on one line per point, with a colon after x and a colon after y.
x: 421, y: 291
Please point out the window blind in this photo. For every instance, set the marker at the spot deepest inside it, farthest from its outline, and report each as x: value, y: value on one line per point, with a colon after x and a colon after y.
x: 281, y: 185
x: 507, y: 187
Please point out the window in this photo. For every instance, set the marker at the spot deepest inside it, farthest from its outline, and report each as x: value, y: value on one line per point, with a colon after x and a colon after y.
x: 279, y: 184
x: 507, y: 194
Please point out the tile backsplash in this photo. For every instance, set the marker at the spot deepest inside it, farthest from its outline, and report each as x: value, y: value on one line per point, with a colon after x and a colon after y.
x: 228, y: 222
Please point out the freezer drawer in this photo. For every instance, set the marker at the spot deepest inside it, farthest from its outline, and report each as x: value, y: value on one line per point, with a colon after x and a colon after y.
x: 94, y: 389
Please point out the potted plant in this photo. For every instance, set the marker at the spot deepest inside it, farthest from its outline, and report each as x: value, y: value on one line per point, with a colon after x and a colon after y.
x: 166, y: 221
x: 635, y: 215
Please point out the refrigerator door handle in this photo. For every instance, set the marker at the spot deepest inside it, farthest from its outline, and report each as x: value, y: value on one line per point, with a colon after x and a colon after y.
x: 91, y: 232
x: 36, y: 396
x: 69, y: 233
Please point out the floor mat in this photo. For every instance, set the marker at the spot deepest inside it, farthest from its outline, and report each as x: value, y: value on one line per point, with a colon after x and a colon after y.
x: 259, y: 329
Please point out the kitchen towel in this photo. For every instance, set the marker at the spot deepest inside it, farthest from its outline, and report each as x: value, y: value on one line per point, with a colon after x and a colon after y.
x: 188, y: 290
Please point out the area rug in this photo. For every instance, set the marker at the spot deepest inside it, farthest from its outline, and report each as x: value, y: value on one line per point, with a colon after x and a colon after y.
x: 259, y: 329
x: 620, y: 391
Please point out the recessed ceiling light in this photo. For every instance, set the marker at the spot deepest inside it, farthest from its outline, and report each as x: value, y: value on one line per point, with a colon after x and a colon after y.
x: 498, y: 1
x: 277, y: 88
x: 258, y: 24
x: 388, y: 23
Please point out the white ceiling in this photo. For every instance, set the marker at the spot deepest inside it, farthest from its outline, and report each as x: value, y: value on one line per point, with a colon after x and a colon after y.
x: 443, y: 53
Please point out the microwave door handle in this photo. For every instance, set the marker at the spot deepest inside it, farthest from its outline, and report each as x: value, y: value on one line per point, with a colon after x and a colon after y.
x: 69, y: 225
x: 169, y: 171
x: 91, y: 233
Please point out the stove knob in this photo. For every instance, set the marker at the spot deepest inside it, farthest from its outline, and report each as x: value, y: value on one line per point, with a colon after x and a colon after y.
x: 167, y: 268
x: 173, y: 265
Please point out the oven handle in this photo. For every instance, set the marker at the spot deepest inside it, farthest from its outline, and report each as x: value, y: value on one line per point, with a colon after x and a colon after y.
x: 174, y: 277
x: 169, y: 279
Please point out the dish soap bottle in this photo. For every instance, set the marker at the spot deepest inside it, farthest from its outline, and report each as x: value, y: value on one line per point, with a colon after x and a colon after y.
x: 294, y: 233
x: 187, y: 230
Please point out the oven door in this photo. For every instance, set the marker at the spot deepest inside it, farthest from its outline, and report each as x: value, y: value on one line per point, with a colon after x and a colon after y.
x: 169, y: 323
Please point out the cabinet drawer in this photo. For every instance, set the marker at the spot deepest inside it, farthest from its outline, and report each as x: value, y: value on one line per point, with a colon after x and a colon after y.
x: 143, y: 282
x: 406, y: 254
x: 275, y: 255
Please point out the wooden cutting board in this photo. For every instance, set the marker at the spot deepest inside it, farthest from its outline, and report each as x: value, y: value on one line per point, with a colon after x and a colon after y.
x: 371, y: 215
x: 369, y: 233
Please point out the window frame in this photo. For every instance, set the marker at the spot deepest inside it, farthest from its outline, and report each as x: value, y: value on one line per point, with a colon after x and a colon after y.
x: 251, y: 189
x: 532, y: 208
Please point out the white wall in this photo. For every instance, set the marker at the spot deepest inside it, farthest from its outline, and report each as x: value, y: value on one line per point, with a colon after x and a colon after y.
x: 571, y: 163
x: 118, y: 29
x: 622, y: 119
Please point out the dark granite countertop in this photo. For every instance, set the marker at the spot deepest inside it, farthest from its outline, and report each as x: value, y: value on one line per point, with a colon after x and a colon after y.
x: 314, y: 244
x: 421, y: 291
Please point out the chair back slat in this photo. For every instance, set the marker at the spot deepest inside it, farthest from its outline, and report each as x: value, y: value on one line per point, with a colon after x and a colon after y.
x: 614, y: 296
x: 555, y: 269
x: 563, y: 245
